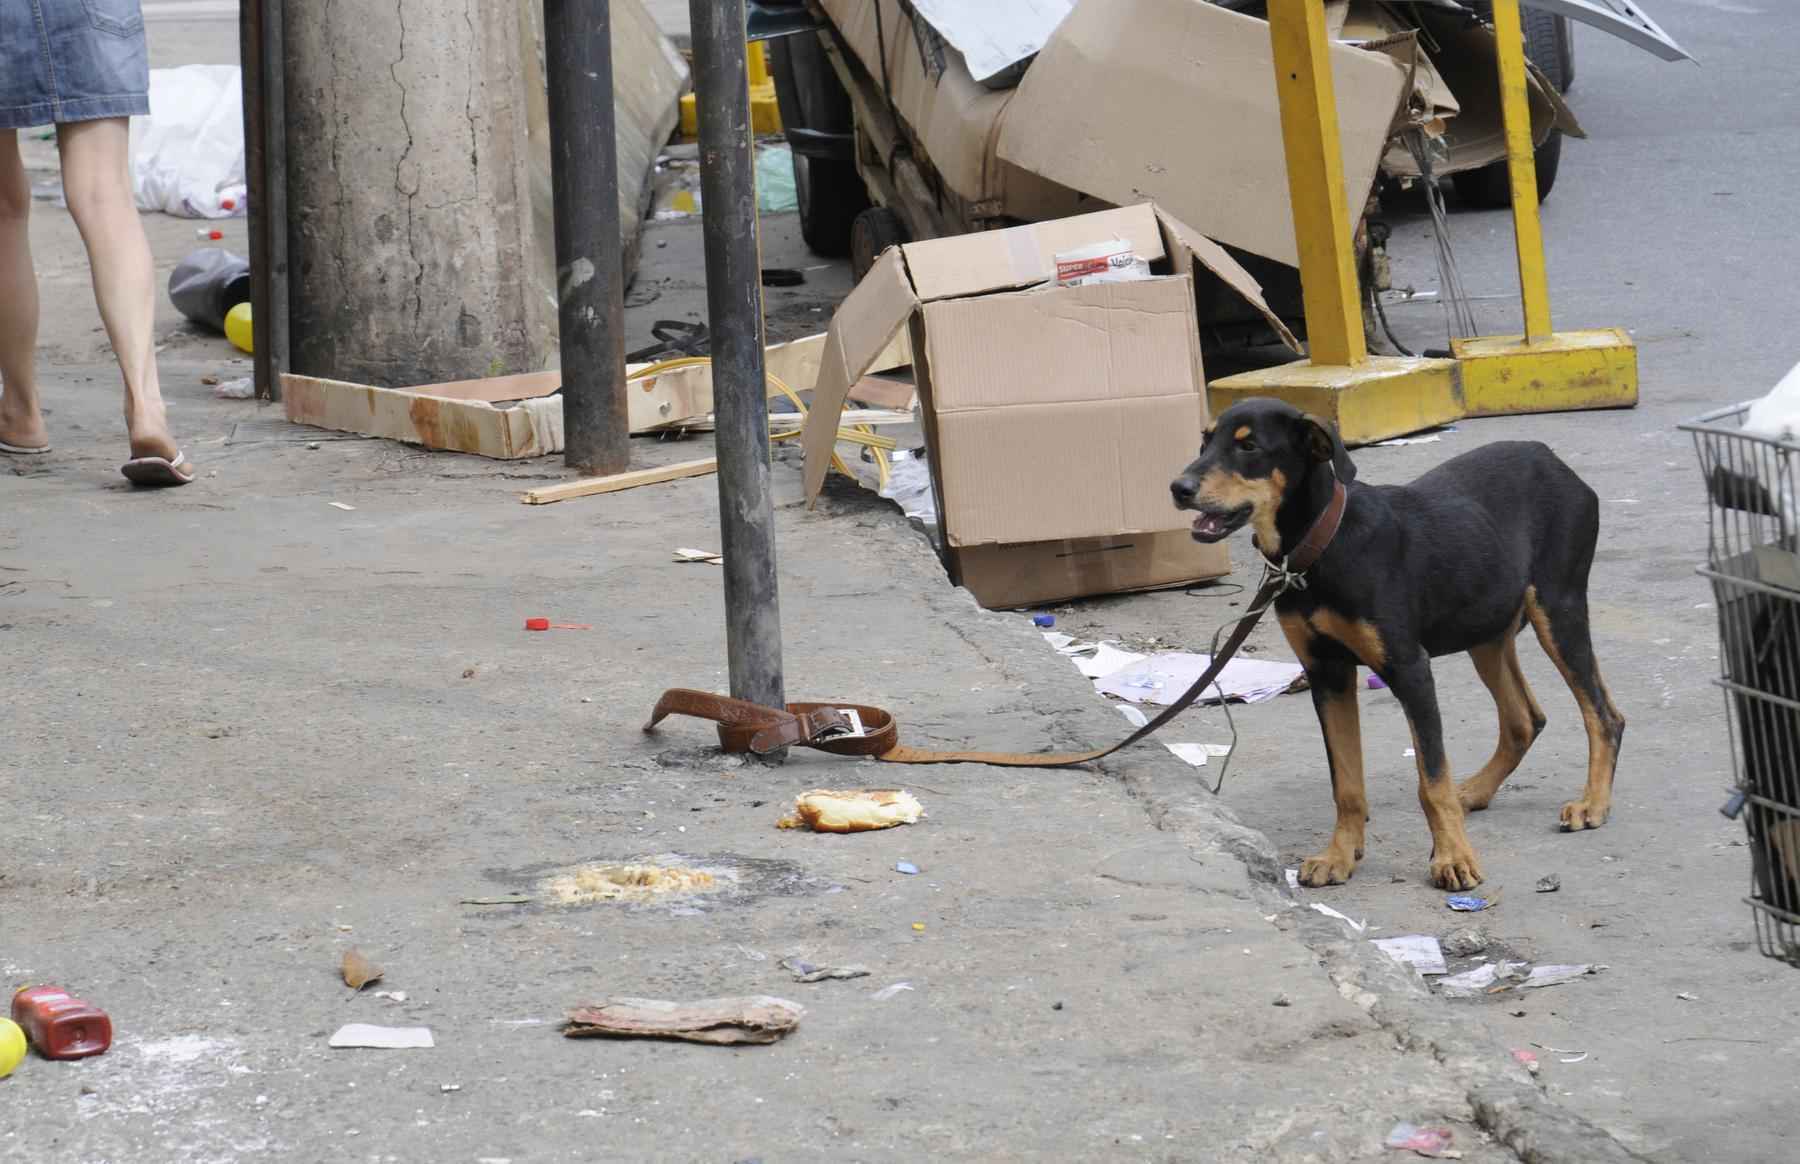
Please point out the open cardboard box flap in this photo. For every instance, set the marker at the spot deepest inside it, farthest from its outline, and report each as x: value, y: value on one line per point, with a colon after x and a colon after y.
x: 938, y: 270
x: 1174, y: 101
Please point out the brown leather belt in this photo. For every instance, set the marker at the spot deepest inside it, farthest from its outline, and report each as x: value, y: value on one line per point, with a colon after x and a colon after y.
x: 751, y: 727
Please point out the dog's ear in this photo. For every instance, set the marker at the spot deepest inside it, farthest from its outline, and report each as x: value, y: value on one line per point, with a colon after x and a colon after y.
x: 1322, y: 443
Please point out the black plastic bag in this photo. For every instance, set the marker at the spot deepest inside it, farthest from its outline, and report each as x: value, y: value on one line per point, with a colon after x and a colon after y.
x: 208, y: 284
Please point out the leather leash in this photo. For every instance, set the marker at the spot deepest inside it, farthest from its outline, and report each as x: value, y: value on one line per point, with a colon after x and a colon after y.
x: 829, y: 727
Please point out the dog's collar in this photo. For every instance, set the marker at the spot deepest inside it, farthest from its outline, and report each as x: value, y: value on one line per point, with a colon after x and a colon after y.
x: 1312, y: 546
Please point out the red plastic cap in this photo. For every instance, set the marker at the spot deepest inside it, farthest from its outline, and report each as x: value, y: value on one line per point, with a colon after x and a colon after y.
x: 537, y: 624
x: 216, y: 235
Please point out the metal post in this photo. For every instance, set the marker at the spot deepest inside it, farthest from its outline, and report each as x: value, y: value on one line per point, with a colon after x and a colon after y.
x: 1521, y: 165
x: 584, y: 185
x: 735, y: 322
x: 261, y: 48
x: 1315, y: 166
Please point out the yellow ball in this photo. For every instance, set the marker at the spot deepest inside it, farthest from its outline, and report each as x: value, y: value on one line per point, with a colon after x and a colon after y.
x: 12, y: 1046
x: 237, y: 327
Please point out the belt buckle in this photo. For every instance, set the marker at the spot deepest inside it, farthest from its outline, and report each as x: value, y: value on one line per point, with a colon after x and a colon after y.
x: 846, y: 725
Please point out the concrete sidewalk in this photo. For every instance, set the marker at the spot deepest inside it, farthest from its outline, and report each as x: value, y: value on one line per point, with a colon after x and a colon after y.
x: 249, y: 730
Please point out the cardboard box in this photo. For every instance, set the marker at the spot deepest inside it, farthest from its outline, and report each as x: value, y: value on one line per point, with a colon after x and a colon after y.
x: 1055, y: 416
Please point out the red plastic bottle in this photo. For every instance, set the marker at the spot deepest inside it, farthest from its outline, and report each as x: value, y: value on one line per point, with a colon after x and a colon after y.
x: 59, y: 1025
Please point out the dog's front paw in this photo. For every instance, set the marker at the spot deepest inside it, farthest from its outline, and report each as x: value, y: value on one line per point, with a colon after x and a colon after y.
x: 1584, y: 814
x: 1329, y: 868
x: 1455, y: 868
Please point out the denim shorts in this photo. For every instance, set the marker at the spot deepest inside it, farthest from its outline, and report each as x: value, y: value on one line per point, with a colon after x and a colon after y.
x: 71, y: 60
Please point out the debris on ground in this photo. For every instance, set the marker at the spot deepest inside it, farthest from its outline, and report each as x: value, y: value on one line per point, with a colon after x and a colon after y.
x: 887, y: 992
x: 1358, y: 926
x: 710, y: 557
x: 827, y: 810
x: 60, y: 1025
x: 390, y: 995
x: 544, y: 624
x: 1549, y: 883
x: 631, y: 882
x: 243, y: 388
x: 1688, y: 996
x: 1420, y: 951
x: 346, y: 507
x: 1528, y: 1059
x: 357, y: 970
x: 804, y: 971
x: 757, y: 1019
x: 1162, y: 677
x: 1564, y: 1054
x: 1043, y: 620
x: 505, y: 899
x: 1463, y: 904
x: 377, y: 1038
x: 906, y: 867
x: 1434, y: 1142
x: 1556, y: 975
x: 12, y: 1046
x: 1465, y: 942
x: 1494, y: 977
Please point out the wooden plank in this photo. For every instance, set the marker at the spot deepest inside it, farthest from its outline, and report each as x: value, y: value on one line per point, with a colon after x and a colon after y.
x: 494, y: 389
x: 532, y: 428
x: 588, y: 486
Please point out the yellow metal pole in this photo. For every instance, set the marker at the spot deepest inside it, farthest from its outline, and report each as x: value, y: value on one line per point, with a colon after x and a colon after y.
x: 1315, y: 165
x: 1528, y: 233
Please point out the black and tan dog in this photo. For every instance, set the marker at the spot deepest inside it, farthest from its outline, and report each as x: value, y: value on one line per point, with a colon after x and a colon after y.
x: 1459, y: 560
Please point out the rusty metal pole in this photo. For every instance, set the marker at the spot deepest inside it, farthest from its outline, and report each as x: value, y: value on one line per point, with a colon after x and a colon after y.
x: 584, y: 186
x: 735, y: 323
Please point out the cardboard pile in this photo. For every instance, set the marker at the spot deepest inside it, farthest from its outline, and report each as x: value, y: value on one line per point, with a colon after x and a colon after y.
x: 1055, y: 415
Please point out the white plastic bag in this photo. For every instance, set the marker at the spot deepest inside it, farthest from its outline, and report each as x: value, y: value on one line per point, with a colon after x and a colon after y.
x: 187, y: 156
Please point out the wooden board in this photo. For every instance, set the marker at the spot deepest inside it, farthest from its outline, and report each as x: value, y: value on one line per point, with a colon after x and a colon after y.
x: 588, y: 486
x: 465, y: 416
x: 532, y: 428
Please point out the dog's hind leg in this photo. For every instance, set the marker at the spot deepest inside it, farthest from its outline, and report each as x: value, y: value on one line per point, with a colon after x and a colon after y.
x: 1521, y: 719
x: 1561, y: 622
x: 1453, y: 864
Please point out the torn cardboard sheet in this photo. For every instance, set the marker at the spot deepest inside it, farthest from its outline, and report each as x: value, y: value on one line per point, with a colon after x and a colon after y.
x: 1093, y: 110
x: 994, y: 34
x: 1161, y: 678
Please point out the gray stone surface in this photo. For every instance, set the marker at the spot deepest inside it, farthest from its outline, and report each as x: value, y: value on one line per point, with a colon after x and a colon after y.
x: 236, y: 722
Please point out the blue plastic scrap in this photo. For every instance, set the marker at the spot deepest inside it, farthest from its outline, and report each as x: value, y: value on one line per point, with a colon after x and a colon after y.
x: 1466, y: 904
x: 1043, y: 620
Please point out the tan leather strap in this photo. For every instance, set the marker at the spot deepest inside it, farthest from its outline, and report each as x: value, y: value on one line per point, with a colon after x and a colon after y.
x: 751, y: 727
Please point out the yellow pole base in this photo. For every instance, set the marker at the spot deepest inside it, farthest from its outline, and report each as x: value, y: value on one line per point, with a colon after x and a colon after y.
x: 1387, y: 396
x: 765, y: 113
x: 1503, y: 375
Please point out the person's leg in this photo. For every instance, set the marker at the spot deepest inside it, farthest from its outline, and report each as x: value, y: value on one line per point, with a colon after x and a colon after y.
x: 21, y: 421
x: 97, y: 184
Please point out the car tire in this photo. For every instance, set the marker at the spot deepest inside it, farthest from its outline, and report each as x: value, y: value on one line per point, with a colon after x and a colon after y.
x: 874, y: 230
x: 1549, y: 46
x: 830, y: 192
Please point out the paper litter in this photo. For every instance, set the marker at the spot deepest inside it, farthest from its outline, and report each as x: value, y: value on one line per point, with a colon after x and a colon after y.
x: 1420, y: 951
x: 382, y: 1038
x: 1358, y: 926
x: 1161, y: 678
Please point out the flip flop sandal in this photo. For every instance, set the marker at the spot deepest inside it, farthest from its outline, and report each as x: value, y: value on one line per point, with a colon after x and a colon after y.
x: 23, y: 450
x: 157, y: 472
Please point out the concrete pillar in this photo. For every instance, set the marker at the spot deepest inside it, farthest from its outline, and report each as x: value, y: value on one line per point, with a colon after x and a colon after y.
x: 411, y: 240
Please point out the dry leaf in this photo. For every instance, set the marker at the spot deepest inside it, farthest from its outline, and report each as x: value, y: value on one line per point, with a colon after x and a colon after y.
x: 468, y: 673
x: 359, y: 971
